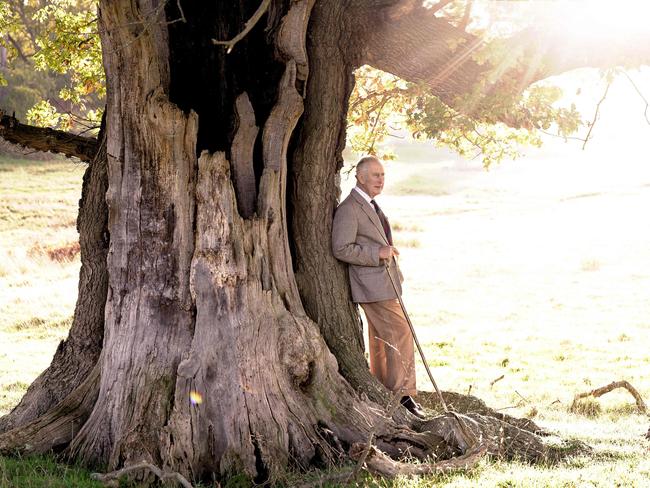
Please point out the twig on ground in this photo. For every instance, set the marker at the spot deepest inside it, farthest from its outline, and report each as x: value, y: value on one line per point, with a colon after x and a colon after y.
x: 509, y: 407
x: 526, y: 400
x: 494, y: 381
x: 247, y: 27
x: 115, y: 475
x: 612, y: 386
x: 520, y: 403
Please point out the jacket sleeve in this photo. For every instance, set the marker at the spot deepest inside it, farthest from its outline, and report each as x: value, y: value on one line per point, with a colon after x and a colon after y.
x: 344, y: 236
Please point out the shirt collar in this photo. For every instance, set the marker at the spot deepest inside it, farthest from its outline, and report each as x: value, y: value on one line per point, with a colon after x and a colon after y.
x: 363, y: 194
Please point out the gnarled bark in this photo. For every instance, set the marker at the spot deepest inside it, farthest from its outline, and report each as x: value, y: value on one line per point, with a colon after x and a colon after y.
x: 314, y: 191
x: 54, y: 429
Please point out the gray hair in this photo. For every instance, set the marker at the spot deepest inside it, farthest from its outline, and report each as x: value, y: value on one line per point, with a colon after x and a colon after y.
x: 362, y: 165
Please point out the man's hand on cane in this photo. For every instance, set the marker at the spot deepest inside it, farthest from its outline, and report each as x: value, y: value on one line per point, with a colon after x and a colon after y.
x: 387, y: 252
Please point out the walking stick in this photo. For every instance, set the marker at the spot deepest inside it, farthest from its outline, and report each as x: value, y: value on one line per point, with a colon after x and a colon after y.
x: 469, y: 437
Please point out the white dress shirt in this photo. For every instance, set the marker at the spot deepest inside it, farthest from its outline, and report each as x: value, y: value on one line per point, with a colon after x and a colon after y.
x: 363, y: 194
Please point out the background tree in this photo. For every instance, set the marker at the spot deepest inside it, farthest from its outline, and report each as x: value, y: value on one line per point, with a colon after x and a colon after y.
x: 52, y: 74
x: 229, y: 341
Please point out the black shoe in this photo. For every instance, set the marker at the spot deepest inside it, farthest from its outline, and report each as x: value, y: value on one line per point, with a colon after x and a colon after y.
x: 412, y: 406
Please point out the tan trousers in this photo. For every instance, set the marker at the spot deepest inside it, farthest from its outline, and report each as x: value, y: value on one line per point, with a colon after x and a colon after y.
x: 390, y: 345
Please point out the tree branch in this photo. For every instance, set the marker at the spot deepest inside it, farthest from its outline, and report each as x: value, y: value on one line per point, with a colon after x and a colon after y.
x: 26, y: 22
x: 16, y: 46
x: 612, y: 386
x: 440, y: 5
x: 247, y: 27
x: 416, y: 47
x: 593, y: 122
x: 421, y: 48
x: 45, y: 139
x: 466, y: 15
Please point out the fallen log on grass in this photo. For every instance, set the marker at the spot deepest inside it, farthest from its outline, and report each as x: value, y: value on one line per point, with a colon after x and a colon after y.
x: 613, y: 386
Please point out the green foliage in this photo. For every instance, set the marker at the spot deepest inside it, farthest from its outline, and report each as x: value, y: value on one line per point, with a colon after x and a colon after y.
x: 379, y: 102
x: 24, y: 88
x: 499, y: 123
x: 58, y: 39
x: 44, y: 114
x: 73, y: 48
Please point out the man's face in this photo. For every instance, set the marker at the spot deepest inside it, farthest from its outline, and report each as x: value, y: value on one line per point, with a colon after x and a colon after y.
x: 371, y: 178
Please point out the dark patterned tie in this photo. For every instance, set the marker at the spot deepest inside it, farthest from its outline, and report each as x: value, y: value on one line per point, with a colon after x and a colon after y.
x: 384, y: 222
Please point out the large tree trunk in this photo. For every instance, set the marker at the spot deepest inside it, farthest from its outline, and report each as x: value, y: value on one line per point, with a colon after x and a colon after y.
x: 314, y: 194
x: 200, y: 299
x: 213, y: 361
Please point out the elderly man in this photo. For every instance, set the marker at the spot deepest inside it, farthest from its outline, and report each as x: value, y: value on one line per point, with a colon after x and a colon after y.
x: 361, y: 237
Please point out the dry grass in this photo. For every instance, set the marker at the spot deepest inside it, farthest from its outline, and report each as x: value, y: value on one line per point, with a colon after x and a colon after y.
x: 39, y: 267
x: 401, y: 242
x: 61, y: 253
x: 589, y: 407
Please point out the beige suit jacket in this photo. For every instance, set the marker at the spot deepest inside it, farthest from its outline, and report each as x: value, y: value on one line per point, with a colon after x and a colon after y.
x: 357, y: 236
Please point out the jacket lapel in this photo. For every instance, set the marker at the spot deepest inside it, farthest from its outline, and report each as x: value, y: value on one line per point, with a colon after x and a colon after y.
x: 370, y: 212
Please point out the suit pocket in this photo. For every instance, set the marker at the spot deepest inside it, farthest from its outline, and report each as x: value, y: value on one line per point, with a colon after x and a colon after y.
x: 369, y: 270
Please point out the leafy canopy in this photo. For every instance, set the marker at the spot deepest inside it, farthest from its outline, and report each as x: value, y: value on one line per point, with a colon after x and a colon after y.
x: 494, y: 124
x: 58, y: 39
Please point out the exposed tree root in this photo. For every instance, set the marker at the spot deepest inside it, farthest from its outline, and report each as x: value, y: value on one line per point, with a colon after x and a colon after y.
x: 112, y: 478
x: 55, y: 429
x: 392, y: 408
x: 438, y: 438
x: 500, y: 436
x: 613, y: 386
x: 469, y: 404
x: 379, y: 463
x: 505, y: 437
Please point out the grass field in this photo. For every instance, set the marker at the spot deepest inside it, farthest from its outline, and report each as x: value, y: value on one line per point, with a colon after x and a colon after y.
x: 536, y: 271
x: 39, y: 266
